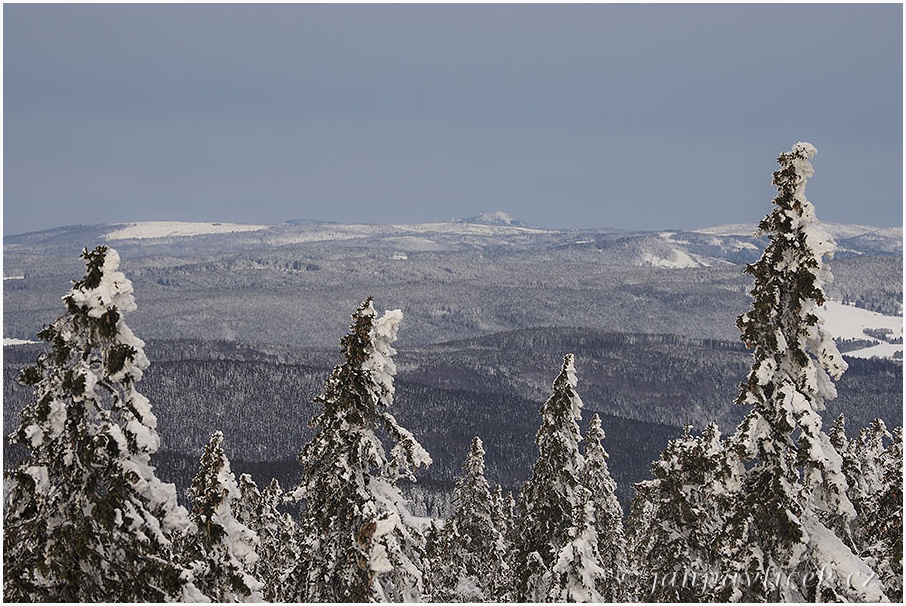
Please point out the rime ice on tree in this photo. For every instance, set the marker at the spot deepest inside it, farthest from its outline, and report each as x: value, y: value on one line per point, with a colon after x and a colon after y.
x: 471, y: 564
x: 86, y: 518
x: 680, y: 521
x: 362, y: 544
x: 278, y: 549
x: 548, y: 499
x: 222, y: 550
x: 795, y: 486
x: 608, y: 514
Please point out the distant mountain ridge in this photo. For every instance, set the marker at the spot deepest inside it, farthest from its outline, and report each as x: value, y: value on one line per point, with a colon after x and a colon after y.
x: 495, y: 218
x: 679, y: 249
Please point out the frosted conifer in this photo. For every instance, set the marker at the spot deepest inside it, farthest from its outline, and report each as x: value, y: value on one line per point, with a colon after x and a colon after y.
x: 278, y: 549
x: 577, y: 573
x: 607, y: 513
x: 795, y: 485
x: 363, y: 543
x: 682, y: 539
x: 439, y: 577
x: 86, y: 518
x: 547, y: 500
x: 475, y: 541
x: 221, y: 551
x: 876, y: 490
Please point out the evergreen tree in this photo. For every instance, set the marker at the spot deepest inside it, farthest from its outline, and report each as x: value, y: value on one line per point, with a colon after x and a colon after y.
x: 475, y: 545
x: 86, y: 518
x: 607, y: 513
x: 363, y: 543
x: 440, y: 578
x: 503, y: 513
x: 886, y: 553
x: 683, y: 543
x: 278, y: 550
x: 548, y: 499
x: 876, y: 490
x: 221, y: 551
x: 795, y: 488
x: 577, y: 572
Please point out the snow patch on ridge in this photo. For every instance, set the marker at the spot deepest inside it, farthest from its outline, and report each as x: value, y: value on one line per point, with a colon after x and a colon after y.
x: 177, y: 229
x: 850, y: 322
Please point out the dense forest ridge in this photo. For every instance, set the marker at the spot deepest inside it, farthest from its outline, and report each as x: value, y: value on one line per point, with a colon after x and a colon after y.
x: 800, y: 514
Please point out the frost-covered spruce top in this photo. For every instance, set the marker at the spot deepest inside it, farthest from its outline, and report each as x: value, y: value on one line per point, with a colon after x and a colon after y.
x: 795, y: 489
x: 608, y: 514
x: 791, y: 344
x: 795, y: 358
x: 90, y: 436
x: 362, y: 538
x: 548, y: 498
x: 222, y: 547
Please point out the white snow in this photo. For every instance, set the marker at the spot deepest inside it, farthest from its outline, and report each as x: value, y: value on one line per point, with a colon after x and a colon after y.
x: 41, y: 478
x: 177, y: 229
x: 7, y: 341
x: 414, y: 243
x: 850, y: 322
x: 841, y: 567
x: 13, y: 277
x: 884, y: 350
x: 495, y: 218
x: 678, y: 259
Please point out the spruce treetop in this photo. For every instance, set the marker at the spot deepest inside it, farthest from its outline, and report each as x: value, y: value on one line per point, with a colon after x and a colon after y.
x: 362, y: 538
x: 548, y: 499
x: 796, y: 504
x: 88, y: 478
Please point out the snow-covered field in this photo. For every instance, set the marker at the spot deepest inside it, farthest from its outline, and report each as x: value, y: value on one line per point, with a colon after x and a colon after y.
x: 176, y: 229
x: 849, y: 322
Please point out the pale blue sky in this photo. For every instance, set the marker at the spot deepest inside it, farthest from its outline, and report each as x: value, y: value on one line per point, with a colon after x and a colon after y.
x: 626, y: 116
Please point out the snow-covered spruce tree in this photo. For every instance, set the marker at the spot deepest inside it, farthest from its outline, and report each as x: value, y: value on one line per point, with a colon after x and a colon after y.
x: 682, y: 544
x: 86, y: 518
x: 794, y: 487
x: 475, y: 542
x: 278, y: 549
x: 503, y: 515
x: 221, y: 550
x: 875, y: 474
x: 363, y: 543
x: 607, y: 512
x: 886, y: 552
x: 577, y: 572
x: 246, y: 505
x: 546, y: 502
x: 438, y: 576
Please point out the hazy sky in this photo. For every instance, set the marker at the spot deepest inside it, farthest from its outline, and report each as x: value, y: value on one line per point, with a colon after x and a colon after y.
x: 627, y: 116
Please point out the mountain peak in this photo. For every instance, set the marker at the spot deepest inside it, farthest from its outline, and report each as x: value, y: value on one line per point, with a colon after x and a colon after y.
x: 495, y: 218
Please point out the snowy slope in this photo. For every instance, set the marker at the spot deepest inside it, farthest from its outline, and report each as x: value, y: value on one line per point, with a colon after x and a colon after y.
x: 848, y: 322
x: 177, y: 229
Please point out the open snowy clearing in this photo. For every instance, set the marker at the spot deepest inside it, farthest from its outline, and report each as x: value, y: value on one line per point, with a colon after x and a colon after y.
x: 177, y: 229
x: 849, y: 322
